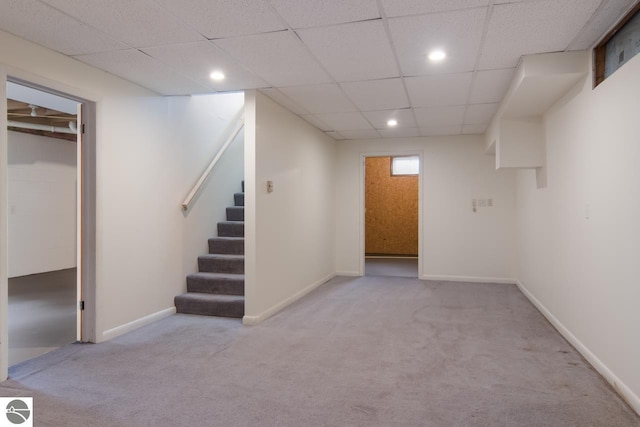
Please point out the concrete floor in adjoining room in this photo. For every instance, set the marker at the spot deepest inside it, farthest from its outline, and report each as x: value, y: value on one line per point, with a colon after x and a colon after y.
x: 42, y: 313
x: 391, y: 267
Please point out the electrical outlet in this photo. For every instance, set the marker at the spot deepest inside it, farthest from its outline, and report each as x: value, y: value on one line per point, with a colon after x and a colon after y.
x: 482, y: 203
x: 474, y: 204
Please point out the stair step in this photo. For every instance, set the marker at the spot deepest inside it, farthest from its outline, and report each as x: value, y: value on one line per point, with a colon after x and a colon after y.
x: 216, y: 283
x: 210, y: 305
x: 235, y: 213
x: 238, y: 199
x: 231, y: 229
x: 226, y: 245
x: 218, y: 263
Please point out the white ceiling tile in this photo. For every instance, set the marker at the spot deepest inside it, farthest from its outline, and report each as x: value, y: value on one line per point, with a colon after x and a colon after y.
x: 416, y: 7
x: 345, y: 121
x: 508, y: 1
x: 399, y: 132
x: 440, y: 116
x: 279, y: 58
x: 327, y: 98
x: 604, y: 19
x: 48, y: 27
x: 440, y: 89
x: 197, y: 60
x: 371, y: 95
x: 480, y: 113
x: 335, y: 135
x: 284, y: 101
x: 379, y: 119
x: 523, y: 28
x: 304, y: 14
x: 225, y: 18
x: 349, y: 52
x: 139, y: 68
x: 474, y: 129
x: 440, y: 130
x: 458, y: 33
x: 491, y: 85
x: 137, y: 23
x: 315, y: 121
x: 360, y: 134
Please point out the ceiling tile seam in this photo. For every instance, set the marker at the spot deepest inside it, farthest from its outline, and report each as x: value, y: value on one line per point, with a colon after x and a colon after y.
x: 241, y: 65
x: 176, y: 72
x: 239, y: 36
x: 608, y: 30
x: 301, y: 43
x: 214, y: 38
x: 339, y: 134
x: 91, y: 27
x: 177, y: 18
x: 311, y: 55
x: 387, y: 109
x: 123, y: 78
x: 440, y: 12
x: 322, y: 122
x: 288, y: 98
x: 474, y: 79
x: 586, y: 25
x: 385, y: 23
x: 313, y: 27
x: 322, y: 67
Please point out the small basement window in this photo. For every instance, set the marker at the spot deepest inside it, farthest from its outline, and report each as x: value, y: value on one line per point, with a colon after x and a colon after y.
x: 405, y: 165
x: 618, y: 47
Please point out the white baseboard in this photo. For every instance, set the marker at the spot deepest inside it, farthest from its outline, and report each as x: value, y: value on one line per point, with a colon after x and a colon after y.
x: 473, y: 279
x: 348, y: 273
x: 625, y: 392
x: 254, y: 320
x: 128, y: 327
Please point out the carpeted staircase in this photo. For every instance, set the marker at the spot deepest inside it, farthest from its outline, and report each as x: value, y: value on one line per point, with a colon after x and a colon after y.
x: 218, y: 288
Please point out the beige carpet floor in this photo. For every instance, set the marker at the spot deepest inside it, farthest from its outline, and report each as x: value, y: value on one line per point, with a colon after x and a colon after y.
x: 371, y: 351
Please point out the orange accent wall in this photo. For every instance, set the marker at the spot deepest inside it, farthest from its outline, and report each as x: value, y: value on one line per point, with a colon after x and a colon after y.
x: 391, y: 218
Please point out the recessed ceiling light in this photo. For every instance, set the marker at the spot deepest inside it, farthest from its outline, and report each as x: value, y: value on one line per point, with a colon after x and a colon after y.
x: 437, y: 55
x: 217, y: 75
x: 392, y: 123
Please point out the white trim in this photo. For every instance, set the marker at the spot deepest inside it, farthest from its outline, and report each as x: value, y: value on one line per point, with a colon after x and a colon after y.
x: 348, y: 273
x: 4, y: 211
x: 473, y: 279
x: 621, y: 388
x: 254, y: 320
x: 143, y: 321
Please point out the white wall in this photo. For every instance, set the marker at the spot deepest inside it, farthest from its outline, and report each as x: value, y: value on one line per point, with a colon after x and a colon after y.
x: 292, y: 249
x: 42, y: 204
x: 139, y: 221
x: 202, y: 124
x: 457, y: 243
x: 578, y: 237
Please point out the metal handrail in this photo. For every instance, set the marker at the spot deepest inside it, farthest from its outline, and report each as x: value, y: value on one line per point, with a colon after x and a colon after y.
x: 196, y: 188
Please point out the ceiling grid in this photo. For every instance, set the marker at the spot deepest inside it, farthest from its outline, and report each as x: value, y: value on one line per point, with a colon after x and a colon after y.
x: 345, y: 66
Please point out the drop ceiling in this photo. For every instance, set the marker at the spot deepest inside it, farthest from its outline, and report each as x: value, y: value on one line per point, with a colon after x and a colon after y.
x: 345, y: 66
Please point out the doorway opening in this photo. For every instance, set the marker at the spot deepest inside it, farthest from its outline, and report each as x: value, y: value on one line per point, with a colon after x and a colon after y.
x: 392, y: 214
x: 50, y: 247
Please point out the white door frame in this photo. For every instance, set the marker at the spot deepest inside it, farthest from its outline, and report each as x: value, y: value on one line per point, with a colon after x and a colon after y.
x: 361, y: 216
x: 86, y: 205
